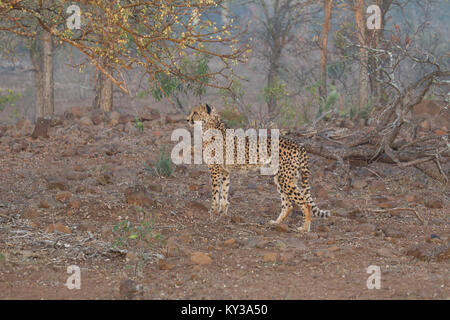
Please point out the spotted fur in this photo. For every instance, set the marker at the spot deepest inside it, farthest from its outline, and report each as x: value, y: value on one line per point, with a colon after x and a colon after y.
x: 293, y: 163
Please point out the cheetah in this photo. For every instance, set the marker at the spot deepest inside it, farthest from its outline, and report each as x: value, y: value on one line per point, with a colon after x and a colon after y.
x: 293, y: 159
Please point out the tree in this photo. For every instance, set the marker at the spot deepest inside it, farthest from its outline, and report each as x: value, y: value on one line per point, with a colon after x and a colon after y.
x: 278, y: 23
x: 327, y: 6
x: 21, y: 24
x: 155, y: 36
x: 359, y: 9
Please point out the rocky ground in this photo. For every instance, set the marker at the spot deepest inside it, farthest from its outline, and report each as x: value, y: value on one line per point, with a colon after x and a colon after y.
x: 89, y: 195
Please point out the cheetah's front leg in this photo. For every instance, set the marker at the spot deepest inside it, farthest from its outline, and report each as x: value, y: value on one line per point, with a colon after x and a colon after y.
x: 216, y: 183
x: 225, y: 186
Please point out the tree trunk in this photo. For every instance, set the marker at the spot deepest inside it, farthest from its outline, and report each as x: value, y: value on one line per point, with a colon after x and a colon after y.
x: 327, y: 5
x: 47, y: 76
x: 374, y: 38
x: 41, y: 54
x: 359, y: 8
x: 103, y: 92
x: 37, y: 61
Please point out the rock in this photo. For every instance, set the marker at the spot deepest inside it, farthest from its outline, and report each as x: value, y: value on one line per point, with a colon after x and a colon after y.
x: 365, y: 227
x: 41, y: 128
x: 63, y: 196
x: 57, y: 227
x: 86, y: 226
x: 174, y: 118
x: 422, y: 251
x: 442, y: 253
x: 157, y: 133
x: 194, y: 187
x: 155, y: 187
x: 323, y: 228
x: 164, y: 265
x: 57, y: 183
x: 333, y: 249
x: 310, y: 236
x: 149, y: 114
x: 282, y: 227
x: 44, y: 204
x: 200, y: 258
x: 392, y: 232
x: 85, y: 121
x: 433, y: 203
x: 127, y: 118
x: 295, y: 243
x: 229, y: 242
x: 75, y: 176
x: 75, y: 204
x: 270, y: 257
x: 386, y: 252
x: 128, y: 289
x: 138, y: 196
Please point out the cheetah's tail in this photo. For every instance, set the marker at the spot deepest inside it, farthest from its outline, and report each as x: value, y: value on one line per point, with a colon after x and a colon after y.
x: 320, y: 213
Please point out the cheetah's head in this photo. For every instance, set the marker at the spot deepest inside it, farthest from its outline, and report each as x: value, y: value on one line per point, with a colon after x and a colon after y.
x: 203, y: 113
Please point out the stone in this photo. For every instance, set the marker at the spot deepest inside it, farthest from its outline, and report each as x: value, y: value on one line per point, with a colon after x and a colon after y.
x: 63, y: 196
x: 57, y: 227
x: 41, y: 128
x: 148, y: 114
x: 270, y: 257
x: 421, y: 251
x: 75, y: 204
x: 229, y: 242
x: 386, y: 252
x: 85, y: 121
x: 392, y: 232
x: 138, y: 196
x: 295, y: 243
x: 86, y: 226
x: 433, y: 203
x: 282, y: 227
x: 164, y: 265
x: 57, y: 183
x: 155, y: 187
x: 200, y: 258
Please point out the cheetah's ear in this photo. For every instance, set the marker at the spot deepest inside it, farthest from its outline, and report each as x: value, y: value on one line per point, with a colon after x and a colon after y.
x: 208, y: 108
